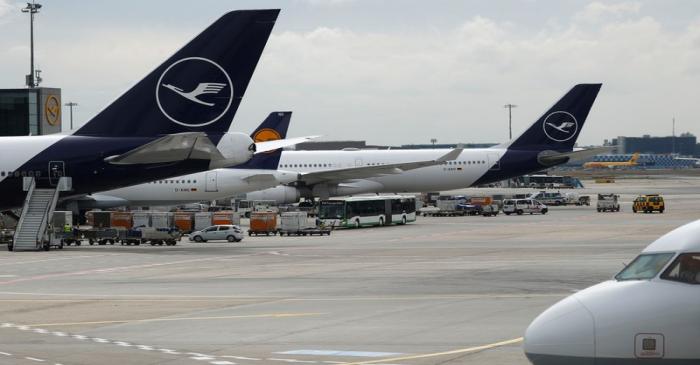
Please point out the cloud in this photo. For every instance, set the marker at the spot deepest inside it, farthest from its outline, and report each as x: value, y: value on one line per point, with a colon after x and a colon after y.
x: 598, y: 11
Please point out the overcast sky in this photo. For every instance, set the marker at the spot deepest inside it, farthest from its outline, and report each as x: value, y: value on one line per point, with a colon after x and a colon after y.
x: 392, y: 72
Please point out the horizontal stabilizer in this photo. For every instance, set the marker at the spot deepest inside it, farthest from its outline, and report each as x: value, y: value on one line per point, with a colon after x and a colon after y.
x: 268, y: 146
x: 549, y: 158
x: 170, y: 148
x: 365, y: 172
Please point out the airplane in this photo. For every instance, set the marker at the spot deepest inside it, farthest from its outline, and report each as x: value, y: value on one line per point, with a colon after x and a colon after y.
x: 611, y: 164
x: 152, y: 131
x: 258, y: 173
x: 548, y: 142
x: 649, y: 313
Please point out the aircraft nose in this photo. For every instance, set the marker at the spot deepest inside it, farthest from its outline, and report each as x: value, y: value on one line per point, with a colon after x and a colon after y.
x: 563, y: 334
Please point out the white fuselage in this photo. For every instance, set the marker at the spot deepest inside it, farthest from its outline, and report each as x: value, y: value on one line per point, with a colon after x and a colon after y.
x: 225, y: 183
x: 460, y: 173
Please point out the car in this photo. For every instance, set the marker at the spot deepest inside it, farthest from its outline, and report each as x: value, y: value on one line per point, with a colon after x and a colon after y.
x: 228, y: 232
x: 520, y: 206
x: 649, y: 203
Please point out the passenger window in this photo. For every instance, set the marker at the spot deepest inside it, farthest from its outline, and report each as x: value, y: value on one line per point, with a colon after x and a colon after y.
x: 686, y: 269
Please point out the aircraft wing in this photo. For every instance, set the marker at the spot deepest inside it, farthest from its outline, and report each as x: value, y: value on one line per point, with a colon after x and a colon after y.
x: 553, y: 157
x: 364, y: 172
x: 268, y: 146
x: 170, y: 148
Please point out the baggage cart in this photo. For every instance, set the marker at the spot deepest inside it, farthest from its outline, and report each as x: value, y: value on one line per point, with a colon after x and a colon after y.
x: 263, y: 223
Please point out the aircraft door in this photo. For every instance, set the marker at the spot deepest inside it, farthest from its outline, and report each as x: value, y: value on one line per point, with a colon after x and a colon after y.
x: 494, y: 161
x: 57, y: 169
x: 358, y: 162
x: 210, y: 182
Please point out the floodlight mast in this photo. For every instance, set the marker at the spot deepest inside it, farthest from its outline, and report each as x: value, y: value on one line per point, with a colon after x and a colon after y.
x: 32, y: 8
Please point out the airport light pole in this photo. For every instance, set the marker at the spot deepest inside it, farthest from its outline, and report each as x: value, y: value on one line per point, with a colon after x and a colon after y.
x: 433, y: 141
x: 510, y: 107
x: 32, y: 8
x: 70, y: 105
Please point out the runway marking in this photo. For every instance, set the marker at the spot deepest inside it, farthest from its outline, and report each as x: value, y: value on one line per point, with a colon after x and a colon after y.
x: 436, y: 354
x: 202, y: 358
x: 222, y: 362
x: 291, y: 360
x: 266, y: 315
x: 5, y: 353
x: 339, y: 353
x: 34, y: 359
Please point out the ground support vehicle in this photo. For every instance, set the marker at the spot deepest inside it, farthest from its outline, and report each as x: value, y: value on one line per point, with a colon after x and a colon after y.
x: 549, y: 198
x: 362, y: 211
x: 428, y: 210
x: 582, y: 200
x: 160, y: 236
x: 608, y: 203
x: 130, y: 236
x: 649, y: 203
x: 521, y: 206
x: 490, y: 210
x: 6, y: 236
x: 101, y: 236
x: 73, y: 237
x: 297, y: 223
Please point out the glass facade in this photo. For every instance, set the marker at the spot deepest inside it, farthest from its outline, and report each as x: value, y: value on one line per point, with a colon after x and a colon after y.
x: 16, y: 108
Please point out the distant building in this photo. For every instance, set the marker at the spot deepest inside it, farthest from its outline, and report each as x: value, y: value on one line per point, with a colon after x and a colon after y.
x: 684, y: 145
x: 33, y: 112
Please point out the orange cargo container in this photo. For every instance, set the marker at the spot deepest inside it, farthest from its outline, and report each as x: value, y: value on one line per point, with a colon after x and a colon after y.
x: 263, y: 222
x: 121, y: 219
x: 184, y: 221
x: 222, y: 217
x: 481, y: 200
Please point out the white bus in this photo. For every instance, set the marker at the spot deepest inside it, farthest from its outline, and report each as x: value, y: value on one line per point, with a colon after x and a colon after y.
x: 368, y: 211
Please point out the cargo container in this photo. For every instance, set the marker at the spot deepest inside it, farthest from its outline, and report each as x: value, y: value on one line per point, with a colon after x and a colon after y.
x: 61, y: 218
x: 121, y: 219
x: 141, y: 219
x: 184, y: 221
x: 263, y: 223
x: 161, y: 220
x: 101, y: 219
x: 226, y: 217
x: 202, y: 220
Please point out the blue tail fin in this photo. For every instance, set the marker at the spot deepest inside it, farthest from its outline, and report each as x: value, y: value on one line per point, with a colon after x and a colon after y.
x: 198, y: 89
x: 274, y: 127
x: 560, y: 126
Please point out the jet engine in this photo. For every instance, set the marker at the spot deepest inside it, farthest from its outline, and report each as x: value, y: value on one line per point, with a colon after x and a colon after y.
x: 236, y: 148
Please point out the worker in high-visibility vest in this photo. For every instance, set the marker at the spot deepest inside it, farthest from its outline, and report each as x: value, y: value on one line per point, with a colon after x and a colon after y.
x: 67, y: 228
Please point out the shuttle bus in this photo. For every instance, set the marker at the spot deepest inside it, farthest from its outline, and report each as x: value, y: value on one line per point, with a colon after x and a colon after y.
x: 362, y: 211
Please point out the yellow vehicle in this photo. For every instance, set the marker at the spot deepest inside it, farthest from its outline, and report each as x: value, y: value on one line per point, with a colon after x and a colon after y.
x: 649, y: 203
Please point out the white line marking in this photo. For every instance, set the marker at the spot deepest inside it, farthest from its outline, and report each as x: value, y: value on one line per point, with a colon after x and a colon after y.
x: 202, y: 358
x: 122, y: 343
x: 34, y: 359
x: 340, y: 353
x: 100, y: 340
x: 168, y: 351
x: 59, y: 334
x: 80, y: 337
x: 7, y: 325
x: 222, y: 362
x: 23, y: 328
x: 40, y: 330
x: 8, y: 276
x: 144, y: 347
x: 291, y: 360
x: 241, y: 357
x: 5, y: 353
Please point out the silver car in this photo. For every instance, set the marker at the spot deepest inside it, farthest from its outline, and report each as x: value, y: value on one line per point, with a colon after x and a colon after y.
x: 226, y: 232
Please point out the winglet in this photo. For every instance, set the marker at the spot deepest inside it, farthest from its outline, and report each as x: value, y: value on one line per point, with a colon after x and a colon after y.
x: 452, y: 155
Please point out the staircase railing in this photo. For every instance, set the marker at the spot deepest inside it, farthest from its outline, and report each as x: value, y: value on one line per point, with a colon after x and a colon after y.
x: 29, y: 185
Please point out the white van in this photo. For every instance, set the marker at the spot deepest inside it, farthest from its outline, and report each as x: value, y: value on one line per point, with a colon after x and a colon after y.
x: 520, y: 206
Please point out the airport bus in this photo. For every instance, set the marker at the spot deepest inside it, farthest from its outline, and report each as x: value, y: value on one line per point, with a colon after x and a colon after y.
x: 363, y: 211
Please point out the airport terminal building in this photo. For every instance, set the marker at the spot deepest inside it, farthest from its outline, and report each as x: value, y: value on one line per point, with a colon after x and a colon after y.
x: 684, y: 145
x: 34, y: 111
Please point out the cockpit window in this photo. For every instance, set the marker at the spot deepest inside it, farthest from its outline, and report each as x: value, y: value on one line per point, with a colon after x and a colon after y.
x: 686, y: 269
x: 645, y: 266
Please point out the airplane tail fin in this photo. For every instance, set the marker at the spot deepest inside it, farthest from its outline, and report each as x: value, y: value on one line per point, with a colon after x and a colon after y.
x: 274, y: 127
x: 559, y: 127
x: 198, y: 89
x: 634, y: 158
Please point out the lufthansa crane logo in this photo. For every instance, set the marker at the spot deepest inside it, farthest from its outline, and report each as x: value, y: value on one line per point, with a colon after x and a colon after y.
x: 560, y: 126
x: 52, y: 110
x: 194, y: 92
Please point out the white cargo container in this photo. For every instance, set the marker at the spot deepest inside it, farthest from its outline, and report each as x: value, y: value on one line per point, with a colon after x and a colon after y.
x: 294, y: 221
x: 161, y: 220
x: 202, y: 220
x: 141, y: 219
x: 61, y: 218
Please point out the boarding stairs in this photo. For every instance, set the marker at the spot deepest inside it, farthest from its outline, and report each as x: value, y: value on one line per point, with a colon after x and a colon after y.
x: 32, y: 232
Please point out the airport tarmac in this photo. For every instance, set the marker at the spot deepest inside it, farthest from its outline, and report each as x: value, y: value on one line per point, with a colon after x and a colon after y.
x: 457, y: 290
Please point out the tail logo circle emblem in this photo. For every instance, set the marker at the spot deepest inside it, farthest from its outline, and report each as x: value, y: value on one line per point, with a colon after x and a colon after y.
x: 194, y: 92
x: 560, y: 126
